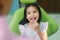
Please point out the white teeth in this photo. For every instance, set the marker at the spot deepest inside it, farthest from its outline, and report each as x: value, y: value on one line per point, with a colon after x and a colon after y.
x: 32, y: 18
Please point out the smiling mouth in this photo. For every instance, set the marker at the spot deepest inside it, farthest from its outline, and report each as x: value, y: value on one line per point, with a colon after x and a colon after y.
x: 33, y: 18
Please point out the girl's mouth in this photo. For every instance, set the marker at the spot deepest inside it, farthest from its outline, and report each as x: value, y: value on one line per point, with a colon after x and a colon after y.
x: 33, y: 18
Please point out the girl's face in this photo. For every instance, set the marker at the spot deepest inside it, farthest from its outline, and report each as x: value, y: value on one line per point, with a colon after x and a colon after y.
x: 32, y: 14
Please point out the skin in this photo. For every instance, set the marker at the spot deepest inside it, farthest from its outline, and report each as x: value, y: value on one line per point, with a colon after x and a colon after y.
x: 33, y: 16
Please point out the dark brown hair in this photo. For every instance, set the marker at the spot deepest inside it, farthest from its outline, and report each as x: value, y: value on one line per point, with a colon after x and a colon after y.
x: 24, y: 20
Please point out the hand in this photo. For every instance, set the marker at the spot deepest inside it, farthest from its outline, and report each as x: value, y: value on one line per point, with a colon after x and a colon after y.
x: 36, y: 26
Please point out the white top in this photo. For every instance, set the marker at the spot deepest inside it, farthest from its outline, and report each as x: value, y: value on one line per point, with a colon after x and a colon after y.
x: 27, y: 32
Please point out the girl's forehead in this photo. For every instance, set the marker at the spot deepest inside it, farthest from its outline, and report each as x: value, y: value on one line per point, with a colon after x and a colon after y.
x: 31, y: 8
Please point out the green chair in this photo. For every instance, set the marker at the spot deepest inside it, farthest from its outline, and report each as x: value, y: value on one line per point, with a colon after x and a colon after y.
x: 27, y: 1
x: 19, y: 14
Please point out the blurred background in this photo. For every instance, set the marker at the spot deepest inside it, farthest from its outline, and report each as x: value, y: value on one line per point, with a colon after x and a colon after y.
x: 52, y: 7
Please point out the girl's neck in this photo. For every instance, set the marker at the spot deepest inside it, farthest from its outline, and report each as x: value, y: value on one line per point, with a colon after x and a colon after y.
x: 30, y: 25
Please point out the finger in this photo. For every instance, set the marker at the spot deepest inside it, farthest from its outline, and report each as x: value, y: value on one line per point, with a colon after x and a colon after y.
x: 35, y: 22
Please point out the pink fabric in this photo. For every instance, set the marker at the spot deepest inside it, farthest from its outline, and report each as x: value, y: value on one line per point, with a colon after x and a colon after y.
x: 5, y: 34
x: 21, y: 38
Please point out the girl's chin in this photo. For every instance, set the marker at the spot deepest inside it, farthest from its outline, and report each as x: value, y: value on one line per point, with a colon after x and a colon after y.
x: 31, y: 22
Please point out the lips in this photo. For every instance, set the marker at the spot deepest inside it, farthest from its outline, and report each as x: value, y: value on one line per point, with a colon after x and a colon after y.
x: 33, y: 18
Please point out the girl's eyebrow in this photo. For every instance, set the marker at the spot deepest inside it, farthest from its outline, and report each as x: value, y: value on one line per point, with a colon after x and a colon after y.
x: 35, y: 10
x: 28, y: 11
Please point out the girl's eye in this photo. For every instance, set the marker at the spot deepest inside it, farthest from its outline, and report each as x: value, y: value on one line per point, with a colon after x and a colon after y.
x: 34, y: 12
x: 28, y: 13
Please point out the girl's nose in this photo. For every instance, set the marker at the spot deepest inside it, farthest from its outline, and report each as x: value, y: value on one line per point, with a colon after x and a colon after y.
x: 32, y: 14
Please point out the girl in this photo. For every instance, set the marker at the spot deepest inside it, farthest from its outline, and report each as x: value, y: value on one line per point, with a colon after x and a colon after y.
x: 30, y: 26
